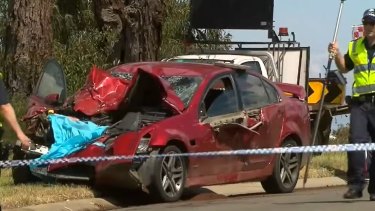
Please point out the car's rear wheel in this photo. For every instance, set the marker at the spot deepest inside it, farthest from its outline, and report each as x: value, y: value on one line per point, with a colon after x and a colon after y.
x: 169, y: 176
x: 285, y: 173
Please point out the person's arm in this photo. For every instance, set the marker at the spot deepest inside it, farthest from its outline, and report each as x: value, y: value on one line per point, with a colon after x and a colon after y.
x: 7, y: 111
x: 343, y: 63
x: 9, y: 115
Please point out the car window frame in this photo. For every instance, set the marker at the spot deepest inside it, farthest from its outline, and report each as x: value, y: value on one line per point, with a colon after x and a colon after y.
x: 241, y: 98
x: 274, y: 89
x: 39, y: 86
x: 208, y: 87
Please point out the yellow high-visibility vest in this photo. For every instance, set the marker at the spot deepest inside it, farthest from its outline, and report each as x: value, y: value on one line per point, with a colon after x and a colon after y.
x: 364, y: 70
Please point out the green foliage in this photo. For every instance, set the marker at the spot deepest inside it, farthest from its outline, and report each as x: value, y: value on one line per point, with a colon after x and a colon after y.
x: 84, y: 49
x: 78, y: 44
x: 71, y: 16
x: 174, y: 28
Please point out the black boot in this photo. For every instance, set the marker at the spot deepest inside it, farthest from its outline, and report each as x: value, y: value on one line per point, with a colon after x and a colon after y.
x: 353, y: 194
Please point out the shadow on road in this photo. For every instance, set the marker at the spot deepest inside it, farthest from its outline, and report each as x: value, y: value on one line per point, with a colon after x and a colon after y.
x: 125, y: 198
x: 324, y: 202
x: 197, y: 194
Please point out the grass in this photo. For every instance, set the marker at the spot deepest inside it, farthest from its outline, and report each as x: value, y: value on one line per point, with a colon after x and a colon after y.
x: 15, y: 196
x: 327, y: 165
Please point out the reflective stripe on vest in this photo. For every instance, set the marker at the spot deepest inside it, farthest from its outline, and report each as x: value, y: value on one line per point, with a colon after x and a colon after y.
x: 364, y: 89
x: 364, y: 73
x: 360, y: 68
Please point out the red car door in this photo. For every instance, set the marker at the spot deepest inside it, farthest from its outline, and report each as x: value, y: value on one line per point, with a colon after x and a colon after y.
x: 220, y: 112
x: 264, y: 112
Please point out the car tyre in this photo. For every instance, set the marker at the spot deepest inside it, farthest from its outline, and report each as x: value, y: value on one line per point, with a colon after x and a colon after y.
x: 285, y: 173
x: 22, y: 174
x: 169, y: 176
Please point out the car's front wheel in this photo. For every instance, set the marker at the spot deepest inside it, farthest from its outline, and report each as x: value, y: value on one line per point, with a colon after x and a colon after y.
x: 169, y: 176
x: 285, y: 173
x: 22, y: 174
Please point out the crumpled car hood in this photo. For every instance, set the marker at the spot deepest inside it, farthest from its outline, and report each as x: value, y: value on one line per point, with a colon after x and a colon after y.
x: 101, y: 93
x: 104, y: 92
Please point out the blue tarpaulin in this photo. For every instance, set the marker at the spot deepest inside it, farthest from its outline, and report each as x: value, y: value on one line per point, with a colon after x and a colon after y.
x: 70, y: 135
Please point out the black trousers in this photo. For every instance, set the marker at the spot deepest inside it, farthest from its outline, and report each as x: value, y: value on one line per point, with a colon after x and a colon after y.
x: 362, y: 130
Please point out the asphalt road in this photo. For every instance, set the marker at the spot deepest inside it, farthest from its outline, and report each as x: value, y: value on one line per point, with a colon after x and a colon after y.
x: 308, y: 200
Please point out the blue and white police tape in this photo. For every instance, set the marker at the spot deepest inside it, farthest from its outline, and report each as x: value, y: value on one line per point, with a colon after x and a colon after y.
x: 264, y: 151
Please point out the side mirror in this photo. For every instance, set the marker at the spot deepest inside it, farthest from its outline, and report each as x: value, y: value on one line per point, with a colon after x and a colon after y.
x: 52, y: 99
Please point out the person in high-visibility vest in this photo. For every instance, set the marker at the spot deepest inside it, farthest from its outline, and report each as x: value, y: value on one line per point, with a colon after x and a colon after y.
x: 8, y: 114
x: 360, y: 57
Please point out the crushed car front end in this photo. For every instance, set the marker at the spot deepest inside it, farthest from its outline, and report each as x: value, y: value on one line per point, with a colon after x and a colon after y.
x: 119, y: 161
x: 116, y: 157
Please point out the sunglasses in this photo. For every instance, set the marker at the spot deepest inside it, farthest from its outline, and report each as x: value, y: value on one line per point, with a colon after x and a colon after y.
x: 371, y: 23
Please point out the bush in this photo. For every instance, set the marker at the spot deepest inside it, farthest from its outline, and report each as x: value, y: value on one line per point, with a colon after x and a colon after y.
x: 84, y: 49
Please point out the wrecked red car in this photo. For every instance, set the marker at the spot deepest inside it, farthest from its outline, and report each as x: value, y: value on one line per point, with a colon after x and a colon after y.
x: 170, y: 108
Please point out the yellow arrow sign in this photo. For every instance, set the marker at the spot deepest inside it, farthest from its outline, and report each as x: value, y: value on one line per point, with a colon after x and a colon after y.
x: 316, y: 88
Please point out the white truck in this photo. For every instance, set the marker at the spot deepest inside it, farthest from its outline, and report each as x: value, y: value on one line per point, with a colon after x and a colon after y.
x: 287, y: 62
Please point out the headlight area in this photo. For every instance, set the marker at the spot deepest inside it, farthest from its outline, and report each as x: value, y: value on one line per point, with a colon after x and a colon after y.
x: 143, y: 146
x: 143, y: 149
x: 140, y: 146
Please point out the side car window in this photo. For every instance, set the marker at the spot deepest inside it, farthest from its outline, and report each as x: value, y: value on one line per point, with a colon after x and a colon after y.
x: 52, y: 81
x: 251, y: 90
x: 220, y: 98
x: 272, y: 92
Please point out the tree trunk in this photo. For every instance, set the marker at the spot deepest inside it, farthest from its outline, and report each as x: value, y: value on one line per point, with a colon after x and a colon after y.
x: 139, y: 23
x: 28, y: 43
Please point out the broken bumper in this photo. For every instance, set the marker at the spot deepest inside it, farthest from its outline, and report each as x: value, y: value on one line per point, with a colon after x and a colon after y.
x: 127, y: 174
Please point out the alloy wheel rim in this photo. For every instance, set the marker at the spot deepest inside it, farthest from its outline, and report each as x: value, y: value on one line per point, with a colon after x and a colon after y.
x: 172, y: 174
x: 289, y: 168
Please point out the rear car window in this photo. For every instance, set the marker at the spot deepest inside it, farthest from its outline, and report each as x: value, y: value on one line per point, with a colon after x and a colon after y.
x: 254, y: 66
x: 252, y: 91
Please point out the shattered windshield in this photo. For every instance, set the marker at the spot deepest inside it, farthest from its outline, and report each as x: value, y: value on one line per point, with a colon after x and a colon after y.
x: 183, y: 86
